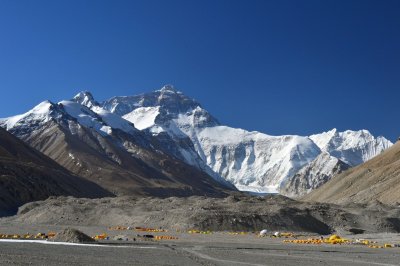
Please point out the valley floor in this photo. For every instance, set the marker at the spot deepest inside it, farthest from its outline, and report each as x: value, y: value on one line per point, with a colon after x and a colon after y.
x: 220, y: 243
x: 219, y: 248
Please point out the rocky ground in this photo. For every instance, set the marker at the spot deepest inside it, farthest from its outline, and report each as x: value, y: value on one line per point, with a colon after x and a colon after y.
x: 234, y: 213
x: 375, y: 222
x: 219, y: 248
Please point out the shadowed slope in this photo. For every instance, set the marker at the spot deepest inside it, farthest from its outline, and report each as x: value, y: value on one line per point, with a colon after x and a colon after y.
x: 27, y: 175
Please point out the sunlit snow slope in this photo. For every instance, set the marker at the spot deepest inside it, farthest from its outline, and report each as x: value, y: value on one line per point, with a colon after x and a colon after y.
x: 252, y: 161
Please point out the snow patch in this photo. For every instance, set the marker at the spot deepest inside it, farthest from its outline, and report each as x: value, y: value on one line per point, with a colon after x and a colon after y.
x: 114, y: 121
x: 106, y: 129
x: 40, y: 112
x: 85, y: 98
x: 71, y: 244
x: 84, y: 115
x: 143, y: 117
x: 97, y: 118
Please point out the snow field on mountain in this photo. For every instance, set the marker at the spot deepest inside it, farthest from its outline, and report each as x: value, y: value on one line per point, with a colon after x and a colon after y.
x: 143, y: 117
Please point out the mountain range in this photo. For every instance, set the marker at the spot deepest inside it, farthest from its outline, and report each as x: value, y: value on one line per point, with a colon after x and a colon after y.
x: 252, y: 161
x: 165, y: 143
x: 109, y: 151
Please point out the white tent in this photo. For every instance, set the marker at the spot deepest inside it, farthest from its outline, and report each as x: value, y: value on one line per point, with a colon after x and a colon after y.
x: 263, y: 232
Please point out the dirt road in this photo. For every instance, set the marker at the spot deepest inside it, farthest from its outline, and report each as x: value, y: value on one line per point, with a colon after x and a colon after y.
x: 271, y: 252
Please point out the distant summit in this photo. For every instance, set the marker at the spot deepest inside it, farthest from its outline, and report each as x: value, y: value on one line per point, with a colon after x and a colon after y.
x: 85, y: 98
x: 352, y: 147
x: 167, y: 98
x: 169, y: 88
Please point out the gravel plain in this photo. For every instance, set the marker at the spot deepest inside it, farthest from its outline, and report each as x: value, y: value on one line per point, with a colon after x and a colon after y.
x: 218, y: 248
x: 224, y: 218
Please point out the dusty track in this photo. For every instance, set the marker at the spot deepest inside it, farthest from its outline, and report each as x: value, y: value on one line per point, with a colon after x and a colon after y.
x: 217, y: 252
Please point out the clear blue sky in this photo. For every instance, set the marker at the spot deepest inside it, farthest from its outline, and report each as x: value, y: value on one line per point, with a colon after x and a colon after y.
x: 280, y: 67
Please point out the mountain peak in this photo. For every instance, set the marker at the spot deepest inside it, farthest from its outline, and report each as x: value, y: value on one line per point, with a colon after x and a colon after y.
x: 332, y: 131
x: 170, y: 101
x: 43, y: 107
x: 85, y: 98
x: 40, y: 112
x: 352, y: 147
x: 169, y: 88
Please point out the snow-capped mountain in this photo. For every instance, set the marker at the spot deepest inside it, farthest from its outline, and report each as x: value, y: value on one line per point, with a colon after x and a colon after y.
x: 252, y: 161
x: 157, y: 113
x: 169, y: 122
x: 313, y: 175
x: 352, y: 147
x: 105, y: 148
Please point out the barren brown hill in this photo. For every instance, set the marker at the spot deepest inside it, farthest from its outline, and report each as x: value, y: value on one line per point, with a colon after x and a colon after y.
x: 376, y: 180
x: 27, y: 175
